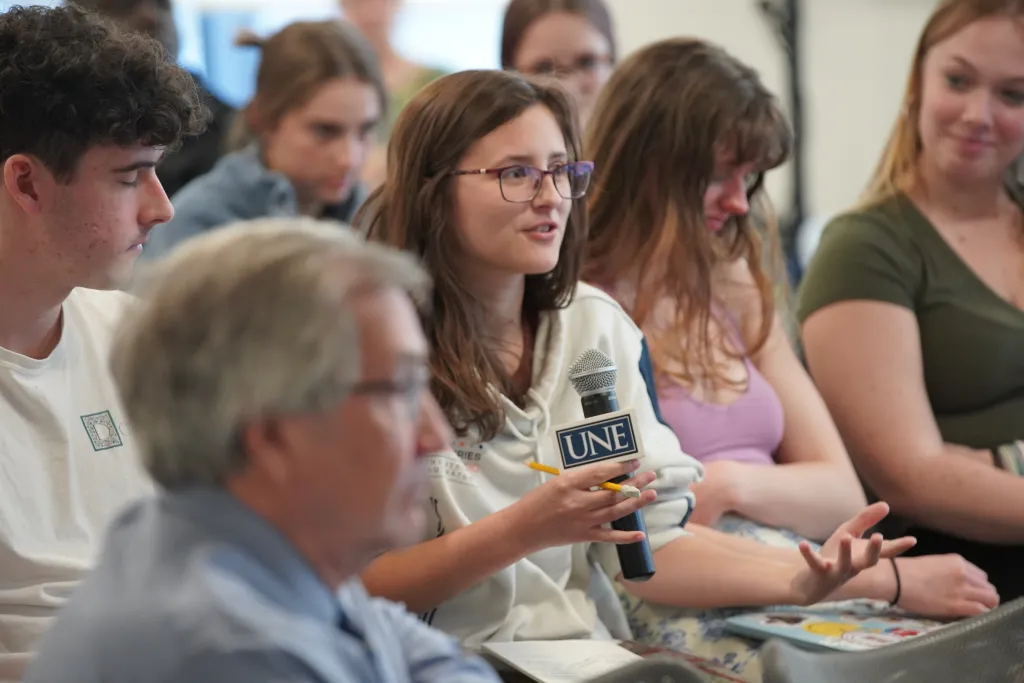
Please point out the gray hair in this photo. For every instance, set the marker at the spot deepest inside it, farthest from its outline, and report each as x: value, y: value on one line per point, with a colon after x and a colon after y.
x: 248, y: 320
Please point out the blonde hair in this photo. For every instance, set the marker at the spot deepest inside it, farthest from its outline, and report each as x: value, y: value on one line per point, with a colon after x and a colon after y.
x: 242, y: 322
x: 897, y: 167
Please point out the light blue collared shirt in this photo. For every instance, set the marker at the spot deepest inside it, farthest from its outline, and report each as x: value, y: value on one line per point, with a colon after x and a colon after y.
x: 194, y: 587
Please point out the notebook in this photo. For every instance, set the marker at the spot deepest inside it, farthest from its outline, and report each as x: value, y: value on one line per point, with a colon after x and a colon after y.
x: 714, y: 672
x: 561, y: 661
x: 850, y: 629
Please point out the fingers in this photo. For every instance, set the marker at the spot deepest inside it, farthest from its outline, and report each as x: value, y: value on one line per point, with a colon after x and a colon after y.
x: 970, y: 608
x: 602, y: 498
x: 602, y: 535
x: 642, y: 480
x: 622, y: 507
x: 844, y: 560
x: 598, y: 473
x: 845, y: 564
x: 815, y: 561
x: 898, y: 546
x: 986, y: 596
x: 974, y: 572
x: 858, y: 525
x: 871, y: 554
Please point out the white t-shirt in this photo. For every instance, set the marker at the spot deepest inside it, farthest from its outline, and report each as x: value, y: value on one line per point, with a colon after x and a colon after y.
x: 67, y: 465
x: 561, y: 592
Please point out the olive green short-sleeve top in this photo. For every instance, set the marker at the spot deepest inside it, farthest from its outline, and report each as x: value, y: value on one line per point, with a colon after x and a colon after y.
x: 972, y: 340
x: 399, y: 98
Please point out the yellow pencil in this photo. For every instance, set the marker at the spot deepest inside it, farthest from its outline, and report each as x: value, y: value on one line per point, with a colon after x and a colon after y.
x: 627, y: 490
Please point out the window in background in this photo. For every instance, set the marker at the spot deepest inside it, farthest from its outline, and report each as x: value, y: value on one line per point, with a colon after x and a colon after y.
x: 6, y: 5
x: 451, y: 34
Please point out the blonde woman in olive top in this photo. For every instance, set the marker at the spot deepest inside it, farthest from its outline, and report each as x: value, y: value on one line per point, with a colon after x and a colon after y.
x: 913, y: 308
x: 375, y: 20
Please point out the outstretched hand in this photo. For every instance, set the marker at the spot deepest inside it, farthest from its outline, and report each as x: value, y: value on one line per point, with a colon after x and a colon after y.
x: 846, y: 554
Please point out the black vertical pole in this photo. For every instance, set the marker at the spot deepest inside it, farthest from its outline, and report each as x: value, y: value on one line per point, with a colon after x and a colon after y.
x: 784, y: 16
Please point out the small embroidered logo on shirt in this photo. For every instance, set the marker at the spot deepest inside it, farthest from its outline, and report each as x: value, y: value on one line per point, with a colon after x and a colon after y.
x: 446, y: 465
x: 470, y: 454
x: 102, y: 431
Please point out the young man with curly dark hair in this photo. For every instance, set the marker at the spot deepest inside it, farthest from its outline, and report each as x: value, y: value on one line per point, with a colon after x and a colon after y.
x: 197, y: 155
x: 87, y: 110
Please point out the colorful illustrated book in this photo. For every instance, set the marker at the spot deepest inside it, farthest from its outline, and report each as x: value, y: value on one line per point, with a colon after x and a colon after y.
x: 850, y: 629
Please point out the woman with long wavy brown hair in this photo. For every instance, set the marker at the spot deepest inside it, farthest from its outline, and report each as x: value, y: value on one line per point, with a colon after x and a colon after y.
x: 673, y: 238
x: 486, y: 185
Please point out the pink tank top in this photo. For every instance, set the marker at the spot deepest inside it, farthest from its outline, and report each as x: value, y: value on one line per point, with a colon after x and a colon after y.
x: 747, y: 430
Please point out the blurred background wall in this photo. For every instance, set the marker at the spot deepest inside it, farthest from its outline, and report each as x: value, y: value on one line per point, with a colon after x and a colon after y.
x: 855, y: 55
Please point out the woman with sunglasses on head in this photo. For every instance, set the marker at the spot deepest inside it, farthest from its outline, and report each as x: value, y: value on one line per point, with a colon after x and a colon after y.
x: 486, y: 185
x: 570, y: 40
x: 671, y: 239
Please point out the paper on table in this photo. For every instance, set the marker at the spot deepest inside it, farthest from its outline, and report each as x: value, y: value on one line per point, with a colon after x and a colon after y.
x: 562, y: 661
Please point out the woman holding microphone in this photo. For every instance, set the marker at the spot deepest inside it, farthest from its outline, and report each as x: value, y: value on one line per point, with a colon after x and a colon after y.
x: 486, y: 185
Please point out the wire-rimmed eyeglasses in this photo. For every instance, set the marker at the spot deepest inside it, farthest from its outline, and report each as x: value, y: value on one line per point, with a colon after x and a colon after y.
x: 522, y: 183
x: 410, y: 388
x: 584, y: 64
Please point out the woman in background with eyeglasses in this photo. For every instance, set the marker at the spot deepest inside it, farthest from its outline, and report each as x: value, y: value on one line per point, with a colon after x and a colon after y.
x: 485, y: 185
x: 571, y: 40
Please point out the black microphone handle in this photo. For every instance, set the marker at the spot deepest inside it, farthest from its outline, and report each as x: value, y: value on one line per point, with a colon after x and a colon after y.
x: 635, y: 559
x: 596, y: 405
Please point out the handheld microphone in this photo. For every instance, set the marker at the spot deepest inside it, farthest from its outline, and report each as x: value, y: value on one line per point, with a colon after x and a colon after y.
x: 609, y: 438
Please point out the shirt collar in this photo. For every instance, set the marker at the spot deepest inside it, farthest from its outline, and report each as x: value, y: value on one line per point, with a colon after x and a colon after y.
x: 223, y: 517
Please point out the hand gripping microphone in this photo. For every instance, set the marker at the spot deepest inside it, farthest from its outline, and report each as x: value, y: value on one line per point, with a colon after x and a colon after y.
x: 606, y: 433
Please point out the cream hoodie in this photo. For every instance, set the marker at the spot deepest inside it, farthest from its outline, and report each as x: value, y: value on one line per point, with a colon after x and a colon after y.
x: 561, y: 592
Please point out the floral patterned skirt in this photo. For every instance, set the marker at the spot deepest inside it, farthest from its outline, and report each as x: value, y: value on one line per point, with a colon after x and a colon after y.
x: 702, y: 632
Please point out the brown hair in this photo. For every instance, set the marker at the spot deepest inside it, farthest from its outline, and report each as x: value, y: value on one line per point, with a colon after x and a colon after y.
x: 897, y: 167
x: 413, y: 210
x: 655, y: 163
x: 295, y: 62
x: 520, y: 14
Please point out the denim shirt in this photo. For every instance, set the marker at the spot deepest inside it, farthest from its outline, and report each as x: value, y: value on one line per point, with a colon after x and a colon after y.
x: 238, y: 188
x: 195, y: 587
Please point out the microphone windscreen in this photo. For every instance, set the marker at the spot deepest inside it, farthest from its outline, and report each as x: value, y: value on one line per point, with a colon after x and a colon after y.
x: 593, y: 371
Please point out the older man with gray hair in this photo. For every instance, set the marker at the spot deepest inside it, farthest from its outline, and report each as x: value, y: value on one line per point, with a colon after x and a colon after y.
x: 276, y: 381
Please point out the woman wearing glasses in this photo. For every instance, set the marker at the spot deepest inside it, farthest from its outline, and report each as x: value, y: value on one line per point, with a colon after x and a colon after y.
x: 571, y: 40
x: 485, y: 184
x: 671, y: 239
